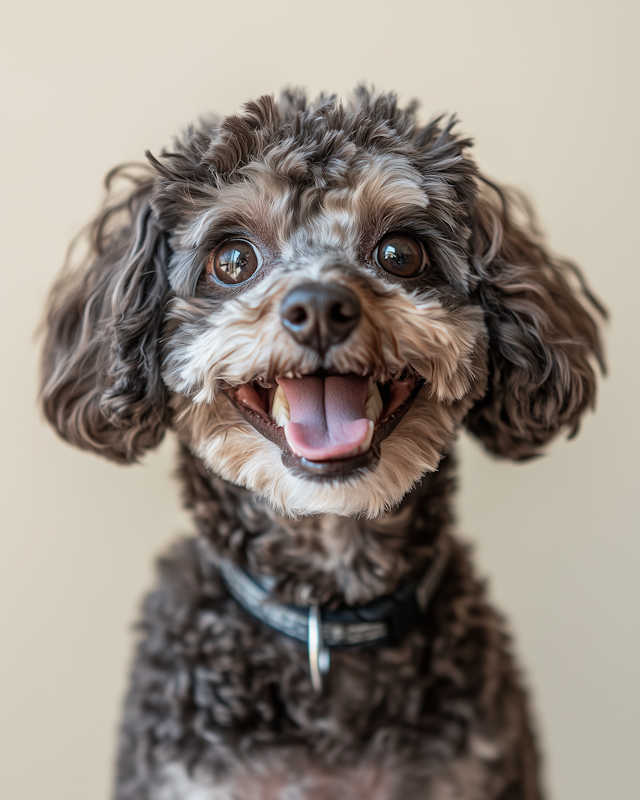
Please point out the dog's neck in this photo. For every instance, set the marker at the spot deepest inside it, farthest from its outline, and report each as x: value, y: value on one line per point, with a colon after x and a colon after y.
x: 330, y: 559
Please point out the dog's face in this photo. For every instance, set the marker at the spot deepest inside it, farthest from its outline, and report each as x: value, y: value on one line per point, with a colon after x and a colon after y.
x: 315, y: 298
x: 316, y: 294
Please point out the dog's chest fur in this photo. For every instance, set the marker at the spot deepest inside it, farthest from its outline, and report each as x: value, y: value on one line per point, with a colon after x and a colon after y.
x: 222, y: 706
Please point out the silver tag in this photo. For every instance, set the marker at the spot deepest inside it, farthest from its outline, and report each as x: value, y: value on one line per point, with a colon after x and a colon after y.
x: 319, y: 659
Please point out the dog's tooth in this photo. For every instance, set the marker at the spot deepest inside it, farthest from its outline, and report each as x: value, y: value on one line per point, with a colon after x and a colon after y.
x: 373, y: 406
x: 367, y: 442
x: 370, y: 410
x: 370, y: 388
x: 280, y: 408
x: 280, y: 398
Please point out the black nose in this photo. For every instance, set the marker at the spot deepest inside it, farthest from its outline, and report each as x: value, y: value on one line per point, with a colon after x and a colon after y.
x: 320, y: 314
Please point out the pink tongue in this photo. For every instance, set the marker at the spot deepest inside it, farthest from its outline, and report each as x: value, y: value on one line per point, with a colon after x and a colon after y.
x: 327, y: 415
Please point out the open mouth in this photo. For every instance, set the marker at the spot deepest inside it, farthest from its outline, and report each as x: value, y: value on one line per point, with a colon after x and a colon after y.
x: 327, y: 425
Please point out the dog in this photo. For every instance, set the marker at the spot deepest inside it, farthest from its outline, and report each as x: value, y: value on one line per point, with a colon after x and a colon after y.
x: 315, y: 296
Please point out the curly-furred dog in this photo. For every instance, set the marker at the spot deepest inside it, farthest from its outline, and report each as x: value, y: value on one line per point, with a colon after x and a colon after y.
x: 315, y: 296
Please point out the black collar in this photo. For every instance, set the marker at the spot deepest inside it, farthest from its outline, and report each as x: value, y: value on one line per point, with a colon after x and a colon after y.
x: 383, y: 621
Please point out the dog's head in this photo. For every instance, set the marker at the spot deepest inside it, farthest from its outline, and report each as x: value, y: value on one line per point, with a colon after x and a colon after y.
x: 315, y: 296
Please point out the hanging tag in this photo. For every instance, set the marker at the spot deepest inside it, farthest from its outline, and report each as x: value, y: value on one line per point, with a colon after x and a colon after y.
x: 319, y: 659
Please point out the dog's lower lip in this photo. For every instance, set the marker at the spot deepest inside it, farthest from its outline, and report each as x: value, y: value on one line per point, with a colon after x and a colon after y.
x: 253, y: 400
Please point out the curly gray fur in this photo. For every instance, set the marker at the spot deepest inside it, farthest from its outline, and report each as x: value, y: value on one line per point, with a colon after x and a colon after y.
x: 501, y: 333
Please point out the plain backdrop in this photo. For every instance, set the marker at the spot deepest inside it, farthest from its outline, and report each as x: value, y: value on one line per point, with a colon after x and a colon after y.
x: 549, y: 91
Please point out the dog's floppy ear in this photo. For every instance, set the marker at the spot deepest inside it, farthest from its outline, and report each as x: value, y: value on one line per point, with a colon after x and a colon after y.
x: 542, y: 338
x: 101, y: 384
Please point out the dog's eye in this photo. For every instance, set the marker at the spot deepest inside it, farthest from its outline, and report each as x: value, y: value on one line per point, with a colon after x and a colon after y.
x: 401, y: 255
x: 233, y: 261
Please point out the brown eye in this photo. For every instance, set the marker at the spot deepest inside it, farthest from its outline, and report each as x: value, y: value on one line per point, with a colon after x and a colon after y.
x: 234, y: 261
x: 401, y: 255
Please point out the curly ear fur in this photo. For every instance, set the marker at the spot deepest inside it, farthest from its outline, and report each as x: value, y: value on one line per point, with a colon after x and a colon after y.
x: 101, y: 384
x: 542, y: 338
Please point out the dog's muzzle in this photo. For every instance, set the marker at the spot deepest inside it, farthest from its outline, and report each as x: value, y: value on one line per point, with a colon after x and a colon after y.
x: 327, y: 424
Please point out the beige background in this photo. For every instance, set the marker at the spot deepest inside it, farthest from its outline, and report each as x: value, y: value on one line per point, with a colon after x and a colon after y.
x: 549, y: 91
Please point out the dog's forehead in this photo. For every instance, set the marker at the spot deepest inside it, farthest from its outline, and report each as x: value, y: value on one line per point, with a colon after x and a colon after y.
x: 300, y: 204
x: 371, y: 194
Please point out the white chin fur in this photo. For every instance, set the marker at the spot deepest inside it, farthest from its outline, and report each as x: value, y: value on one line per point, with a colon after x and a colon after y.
x: 242, y: 456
